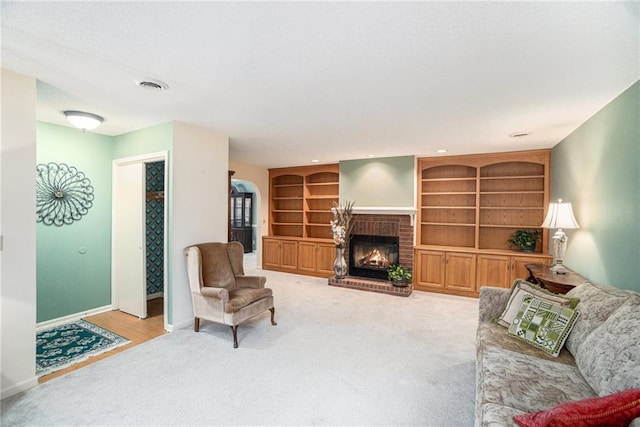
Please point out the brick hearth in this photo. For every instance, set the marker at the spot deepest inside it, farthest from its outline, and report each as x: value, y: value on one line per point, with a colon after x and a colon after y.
x: 381, y: 225
x: 370, y: 285
x: 387, y: 225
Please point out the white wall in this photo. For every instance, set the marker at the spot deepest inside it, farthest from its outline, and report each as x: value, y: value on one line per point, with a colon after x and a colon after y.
x: 18, y: 228
x: 199, y: 208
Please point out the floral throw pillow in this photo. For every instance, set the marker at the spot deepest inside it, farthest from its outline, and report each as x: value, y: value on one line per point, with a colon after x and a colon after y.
x: 543, y: 324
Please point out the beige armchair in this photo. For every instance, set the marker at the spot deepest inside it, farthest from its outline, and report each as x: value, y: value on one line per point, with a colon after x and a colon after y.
x: 219, y: 289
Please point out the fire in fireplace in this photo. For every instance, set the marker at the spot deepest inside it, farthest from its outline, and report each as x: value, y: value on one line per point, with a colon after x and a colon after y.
x: 370, y: 256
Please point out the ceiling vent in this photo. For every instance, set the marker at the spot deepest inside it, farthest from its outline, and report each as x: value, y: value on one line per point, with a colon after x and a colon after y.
x: 152, y: 84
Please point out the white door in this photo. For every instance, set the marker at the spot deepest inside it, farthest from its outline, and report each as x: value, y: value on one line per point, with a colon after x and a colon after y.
x: 129, y: 258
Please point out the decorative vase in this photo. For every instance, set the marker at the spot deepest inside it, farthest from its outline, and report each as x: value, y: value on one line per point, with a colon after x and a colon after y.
x: 340, y: 267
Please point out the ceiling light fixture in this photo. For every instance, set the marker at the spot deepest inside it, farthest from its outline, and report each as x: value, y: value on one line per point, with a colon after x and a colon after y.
x: 371, y: 155
x: 315, y: 161
x: 82, y: 120
x: 442, y: 150
x: 151, y: 84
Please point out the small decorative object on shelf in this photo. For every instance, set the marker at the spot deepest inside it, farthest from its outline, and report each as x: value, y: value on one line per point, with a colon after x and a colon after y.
x: 341, y: 227
x: 525, y: 239
x: 400, y: 276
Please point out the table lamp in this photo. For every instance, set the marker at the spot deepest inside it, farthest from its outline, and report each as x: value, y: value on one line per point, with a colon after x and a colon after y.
x: 559, y: 216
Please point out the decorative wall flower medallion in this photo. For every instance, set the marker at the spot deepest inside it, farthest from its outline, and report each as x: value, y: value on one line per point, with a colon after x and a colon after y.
x: 63, y: 194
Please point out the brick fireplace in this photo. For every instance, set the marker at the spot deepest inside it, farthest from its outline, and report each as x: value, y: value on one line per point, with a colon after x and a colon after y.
x: 382, y: 222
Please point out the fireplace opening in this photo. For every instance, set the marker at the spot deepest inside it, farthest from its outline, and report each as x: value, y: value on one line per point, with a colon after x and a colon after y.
x: 371, y: 256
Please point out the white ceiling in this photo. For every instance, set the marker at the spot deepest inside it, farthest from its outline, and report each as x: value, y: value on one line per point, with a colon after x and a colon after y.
x: 293, y: 81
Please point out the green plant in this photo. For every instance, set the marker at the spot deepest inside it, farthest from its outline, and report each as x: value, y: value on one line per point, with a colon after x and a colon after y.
x: 525, y: 239
x: 398, y: 272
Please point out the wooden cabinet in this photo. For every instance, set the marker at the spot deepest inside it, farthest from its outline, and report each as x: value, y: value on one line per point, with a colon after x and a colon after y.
x: 447, y: 272
x: 279, y: 254
x: 241, y: 205
x: 316, y: 258
x: 502, y: 270
x: 300, y: 205
x: 471, y: 205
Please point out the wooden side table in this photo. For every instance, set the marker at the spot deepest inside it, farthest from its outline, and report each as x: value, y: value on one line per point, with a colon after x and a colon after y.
x: 541, y: 274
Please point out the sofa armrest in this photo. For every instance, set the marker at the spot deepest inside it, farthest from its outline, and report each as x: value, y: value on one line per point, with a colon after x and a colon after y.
x: 255, y: 282
x: 492, y: 302
x: 219, y: 293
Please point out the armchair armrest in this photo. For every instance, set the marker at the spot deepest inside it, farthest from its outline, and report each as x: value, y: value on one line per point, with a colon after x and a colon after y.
x: 492, y: 302
x: 219, y: 293
x: 255, y: 282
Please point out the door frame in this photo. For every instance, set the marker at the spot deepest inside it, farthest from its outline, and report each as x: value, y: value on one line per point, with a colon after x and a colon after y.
x: 143, y: 158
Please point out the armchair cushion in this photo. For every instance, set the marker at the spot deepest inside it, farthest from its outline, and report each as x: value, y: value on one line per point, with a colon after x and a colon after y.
x: 219, y: 293
x: 216, y: 270
x: 255, y: 282
x: 240, y: 298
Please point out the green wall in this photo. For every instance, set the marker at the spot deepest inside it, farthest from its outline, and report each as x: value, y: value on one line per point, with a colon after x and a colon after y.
x: 69, y: 281
x: 149, y: 140
x: 597, y: 169
x: 383, y: 182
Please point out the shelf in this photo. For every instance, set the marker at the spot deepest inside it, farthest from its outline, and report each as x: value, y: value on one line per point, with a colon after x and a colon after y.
x: 482, y: 178
x: 287, y: 223
x: 513, y: 192
x: 515, y: 227
x: 449, y: 224
x: 446, y: 193
x: 286, y: 198
x: 287, y: 210
x: 321, y: 197
x: 321, y: 184
x: 517, y: 208
x: 473, y: 208
x: 314, y: 224
x: 447, y: 179
x: 287, y: 185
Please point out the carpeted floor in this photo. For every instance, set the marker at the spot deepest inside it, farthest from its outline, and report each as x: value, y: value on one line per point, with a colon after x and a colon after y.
x: 337, y: 357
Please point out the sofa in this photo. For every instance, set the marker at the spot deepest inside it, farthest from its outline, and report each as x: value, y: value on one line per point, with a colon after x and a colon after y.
x: 600, y: 357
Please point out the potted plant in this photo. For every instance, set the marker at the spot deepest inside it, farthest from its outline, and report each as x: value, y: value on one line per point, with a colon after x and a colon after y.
x: 525, y: 239
x: 400, y: 276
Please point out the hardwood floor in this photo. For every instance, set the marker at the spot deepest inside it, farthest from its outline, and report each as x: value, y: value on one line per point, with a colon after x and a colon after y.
x: 133, y: 328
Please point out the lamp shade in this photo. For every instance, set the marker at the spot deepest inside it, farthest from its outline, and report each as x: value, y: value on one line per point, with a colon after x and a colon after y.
x: 82, y: 120
x: 560, y: 215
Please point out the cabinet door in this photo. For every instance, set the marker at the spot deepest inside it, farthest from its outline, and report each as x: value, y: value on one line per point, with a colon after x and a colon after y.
x: 430, y: 272
x: 289, y: 255
x: 518, y: 269
x: 307, y: 256
x: 460, y: 271
x: 326, y: 257
x: 271, y: 253
x: 493, y: 270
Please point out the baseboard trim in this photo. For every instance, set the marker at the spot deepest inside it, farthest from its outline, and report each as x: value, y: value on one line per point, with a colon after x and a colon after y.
x: 180, y: 325
x: 19, y: 388
x: 73, y: 317
x: 154, y: 296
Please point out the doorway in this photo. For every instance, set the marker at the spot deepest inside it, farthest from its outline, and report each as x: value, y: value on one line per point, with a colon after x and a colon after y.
x: 139, y: 234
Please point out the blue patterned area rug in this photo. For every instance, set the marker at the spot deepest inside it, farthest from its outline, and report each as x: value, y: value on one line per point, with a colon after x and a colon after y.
x: 63, y: 345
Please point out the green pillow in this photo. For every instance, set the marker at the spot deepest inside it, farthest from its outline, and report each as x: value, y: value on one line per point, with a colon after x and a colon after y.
x: 522, y: 288
x: 543, y: 324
